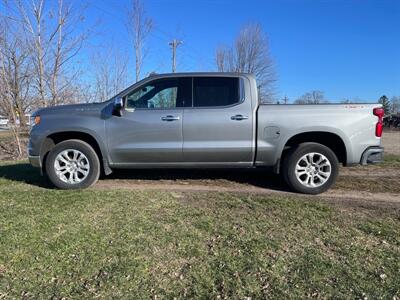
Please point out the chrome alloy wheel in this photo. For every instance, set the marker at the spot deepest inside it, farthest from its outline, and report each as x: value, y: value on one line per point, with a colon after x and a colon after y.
x: 313, y: 169
x: 71, y: 166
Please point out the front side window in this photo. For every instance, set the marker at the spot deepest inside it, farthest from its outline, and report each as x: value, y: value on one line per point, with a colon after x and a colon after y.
x: 215, y: 91
x: 160, y: 94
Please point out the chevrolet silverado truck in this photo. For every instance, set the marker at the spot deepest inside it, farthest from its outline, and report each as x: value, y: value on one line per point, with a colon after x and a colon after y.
x: 203, y: 120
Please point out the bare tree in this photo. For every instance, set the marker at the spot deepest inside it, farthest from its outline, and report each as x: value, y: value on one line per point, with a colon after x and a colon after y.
x: 395, y: 104
x: 16, y: 75
x: 8, y: 93
x: 32, y: 19
x: 139, y: 27
x: 222, y: 57
x: 250, y: 54
x: 50, y: 30
x: 313, y: 97
x: 111, y: 74
x: 65, y: 48
x: 38, y: 41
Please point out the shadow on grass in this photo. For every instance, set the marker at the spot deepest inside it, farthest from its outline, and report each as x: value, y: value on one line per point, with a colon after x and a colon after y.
x: 257, y: 177
x: 25, y: 173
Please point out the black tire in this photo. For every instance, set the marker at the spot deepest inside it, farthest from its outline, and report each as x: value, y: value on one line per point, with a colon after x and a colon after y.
x: 92, y: 159
x: 292, y: 158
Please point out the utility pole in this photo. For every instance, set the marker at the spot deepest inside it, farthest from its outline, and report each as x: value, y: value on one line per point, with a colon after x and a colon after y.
x: 174, y: 44
x: 285, y: 100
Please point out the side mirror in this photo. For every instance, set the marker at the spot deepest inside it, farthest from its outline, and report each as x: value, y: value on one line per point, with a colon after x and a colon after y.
x: 118, y: 106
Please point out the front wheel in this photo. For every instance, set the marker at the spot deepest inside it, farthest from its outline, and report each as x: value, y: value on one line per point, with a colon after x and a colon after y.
x: 72, y: 164
x: 310, y: 168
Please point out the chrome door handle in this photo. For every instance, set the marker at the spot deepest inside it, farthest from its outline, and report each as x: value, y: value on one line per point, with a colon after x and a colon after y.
x: 239, y: 117
x: 170, y: 118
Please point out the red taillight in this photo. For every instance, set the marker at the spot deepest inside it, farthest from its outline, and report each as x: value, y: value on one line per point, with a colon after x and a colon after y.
x: 379, y: 112
x: 378, y: 129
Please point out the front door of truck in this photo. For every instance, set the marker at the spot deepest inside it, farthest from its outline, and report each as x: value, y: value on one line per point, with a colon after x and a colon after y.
x: 150, y: 128
x: 218, y: 127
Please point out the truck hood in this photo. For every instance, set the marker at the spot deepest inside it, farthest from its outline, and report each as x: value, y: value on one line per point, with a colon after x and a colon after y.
x: 71, y: 108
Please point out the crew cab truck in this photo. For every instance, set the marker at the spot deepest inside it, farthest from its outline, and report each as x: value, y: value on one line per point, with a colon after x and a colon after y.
x: 203, y: 120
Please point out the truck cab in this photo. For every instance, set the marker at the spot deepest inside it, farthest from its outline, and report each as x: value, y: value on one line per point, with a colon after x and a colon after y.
x: 184, y: 120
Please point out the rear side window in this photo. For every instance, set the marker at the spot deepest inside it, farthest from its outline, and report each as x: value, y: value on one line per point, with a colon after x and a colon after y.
x: 215, y: 91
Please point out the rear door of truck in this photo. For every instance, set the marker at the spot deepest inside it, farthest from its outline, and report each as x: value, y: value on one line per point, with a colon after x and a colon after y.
x: 217, y: 126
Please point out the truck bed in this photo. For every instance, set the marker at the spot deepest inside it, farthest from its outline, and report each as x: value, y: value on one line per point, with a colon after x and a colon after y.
x: 354, y: 124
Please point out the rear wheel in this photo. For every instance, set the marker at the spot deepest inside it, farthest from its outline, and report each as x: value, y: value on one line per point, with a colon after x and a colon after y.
x: 310, y: 168
x: 72, y: 164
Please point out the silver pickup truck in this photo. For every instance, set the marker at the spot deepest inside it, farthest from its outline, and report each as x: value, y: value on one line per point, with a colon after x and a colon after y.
x: 203, y: 120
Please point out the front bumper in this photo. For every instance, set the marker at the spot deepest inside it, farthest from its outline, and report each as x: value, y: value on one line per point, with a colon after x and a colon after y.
x: 35, y: 161
x: 372, y: 155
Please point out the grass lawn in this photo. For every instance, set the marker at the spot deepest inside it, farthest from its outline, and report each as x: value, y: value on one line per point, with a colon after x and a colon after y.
x: 391, y: 159
x: 154, y: 244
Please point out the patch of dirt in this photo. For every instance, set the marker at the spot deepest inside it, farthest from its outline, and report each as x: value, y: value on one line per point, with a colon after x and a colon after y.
x: 8, y: 148
x: 268, y: 185
x: 370, y: 171
x: 361, y: 195
x: 391, y: 141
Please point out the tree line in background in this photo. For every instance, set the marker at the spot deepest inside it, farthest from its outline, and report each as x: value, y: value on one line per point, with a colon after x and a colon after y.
x: 40, y: 43
x: 391, y: 106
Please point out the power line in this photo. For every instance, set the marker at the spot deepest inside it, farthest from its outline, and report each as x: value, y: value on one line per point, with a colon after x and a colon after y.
x: 174, y: 44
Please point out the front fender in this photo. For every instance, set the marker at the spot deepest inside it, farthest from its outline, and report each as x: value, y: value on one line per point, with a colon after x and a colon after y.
x: 50, y: 125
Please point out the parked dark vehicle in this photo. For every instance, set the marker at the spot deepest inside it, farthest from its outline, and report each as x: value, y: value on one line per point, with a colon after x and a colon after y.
x: 198, y: 120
